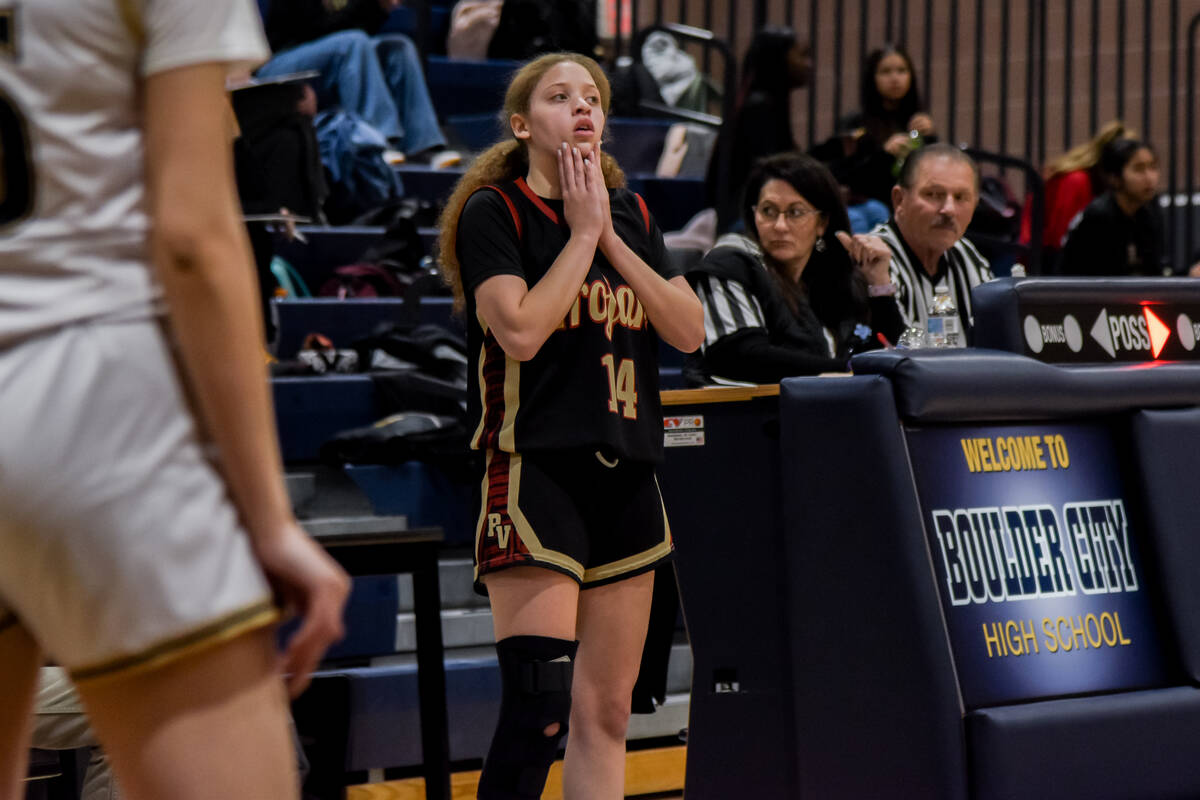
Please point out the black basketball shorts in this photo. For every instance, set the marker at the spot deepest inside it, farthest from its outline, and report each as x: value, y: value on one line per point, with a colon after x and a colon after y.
x: 595, y: 518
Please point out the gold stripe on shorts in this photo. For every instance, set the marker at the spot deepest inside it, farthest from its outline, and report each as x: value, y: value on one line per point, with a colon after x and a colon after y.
x: 222, y: 630
x: 630, y: 564
x: 131, y: 17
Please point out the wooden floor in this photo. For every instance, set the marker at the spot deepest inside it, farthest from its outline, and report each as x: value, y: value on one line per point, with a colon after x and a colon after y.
x: 646, y: 772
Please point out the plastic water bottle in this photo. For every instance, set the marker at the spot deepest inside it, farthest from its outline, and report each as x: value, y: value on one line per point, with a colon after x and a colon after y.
x: 943, y: 328
x: 913, y: 338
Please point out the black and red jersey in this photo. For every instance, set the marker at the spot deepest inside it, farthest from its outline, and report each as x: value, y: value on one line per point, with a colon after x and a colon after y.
x: 594, y: 383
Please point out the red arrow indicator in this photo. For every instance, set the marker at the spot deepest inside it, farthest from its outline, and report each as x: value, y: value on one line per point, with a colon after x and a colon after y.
x: 1159, y: 333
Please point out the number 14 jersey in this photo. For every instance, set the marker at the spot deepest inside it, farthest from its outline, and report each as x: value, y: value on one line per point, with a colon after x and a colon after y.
x: 594, y: 383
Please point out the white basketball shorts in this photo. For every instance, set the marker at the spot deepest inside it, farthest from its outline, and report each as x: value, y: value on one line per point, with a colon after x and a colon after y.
x: 119, y: 547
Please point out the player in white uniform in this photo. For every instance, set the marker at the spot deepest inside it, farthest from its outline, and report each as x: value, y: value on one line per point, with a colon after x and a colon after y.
x: 126, y: 555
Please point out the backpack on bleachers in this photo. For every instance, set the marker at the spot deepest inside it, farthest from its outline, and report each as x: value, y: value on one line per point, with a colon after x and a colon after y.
x: 392, y: 264
x: 352, y: 152
x: 277, y: 160
x: 528, y: 28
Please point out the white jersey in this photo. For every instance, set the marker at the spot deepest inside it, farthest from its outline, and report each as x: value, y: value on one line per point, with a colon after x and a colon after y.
x: 73, y: 217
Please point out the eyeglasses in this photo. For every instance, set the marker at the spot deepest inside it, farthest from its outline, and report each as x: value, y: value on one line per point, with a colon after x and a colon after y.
x: 793, y: 214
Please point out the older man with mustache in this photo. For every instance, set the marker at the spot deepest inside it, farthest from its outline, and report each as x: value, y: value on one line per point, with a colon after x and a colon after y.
x: 933, y: 202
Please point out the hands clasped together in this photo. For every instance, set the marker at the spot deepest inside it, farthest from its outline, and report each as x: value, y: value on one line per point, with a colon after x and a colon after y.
x: 585, y: 197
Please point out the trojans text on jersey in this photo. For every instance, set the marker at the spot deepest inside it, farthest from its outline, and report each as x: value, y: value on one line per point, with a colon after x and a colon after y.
x: 606, y: 306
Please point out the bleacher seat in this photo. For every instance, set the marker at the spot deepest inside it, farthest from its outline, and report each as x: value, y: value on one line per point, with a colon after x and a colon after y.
x: 422, y: 492
x: 477, y: 131
x: 636, y: 143
x: 404, y: 20
x: 427, y: 183
x: 325, y: 248
x: 468, y: 87
x: 673, y: 201
x: 345, y: 321
x: 310, y: 410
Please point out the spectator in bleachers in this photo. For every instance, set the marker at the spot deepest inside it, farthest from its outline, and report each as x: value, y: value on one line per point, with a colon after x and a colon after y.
x: 932, y: 204
x: 567, y: 287
x: 376, y: 76
x: 1073, y: 180
x: 872, y: 143
x: 1121, y: 231
x: 61, y: 724
x: 786, y: 298
x: 761, y: 121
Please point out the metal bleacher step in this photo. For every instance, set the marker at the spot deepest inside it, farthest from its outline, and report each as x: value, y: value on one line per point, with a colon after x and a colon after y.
x: 667, y: 720
x: 318, y: 490
x: 472, y: 628
x: 455, y: 582
x: 679, y: 669
x: 461, y: 627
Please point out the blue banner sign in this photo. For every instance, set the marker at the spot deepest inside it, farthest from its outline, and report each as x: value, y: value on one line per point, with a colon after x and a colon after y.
x: 1037, y: 562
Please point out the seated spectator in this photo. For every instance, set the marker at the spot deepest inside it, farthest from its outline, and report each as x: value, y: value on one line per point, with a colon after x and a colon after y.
x: 761, y: 121
x: 377, y: 77
x: 932, y: 204
x: 866, y: 153
x: 786, y: 299
x: 1072, y: 181
x: 1121, y: 231
x: 61, y: 724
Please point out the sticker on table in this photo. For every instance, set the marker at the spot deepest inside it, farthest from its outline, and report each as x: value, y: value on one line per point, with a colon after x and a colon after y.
x: 683, y: 431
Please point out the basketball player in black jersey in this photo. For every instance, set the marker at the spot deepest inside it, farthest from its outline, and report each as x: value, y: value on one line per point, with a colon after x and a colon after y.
x: 567, y: 286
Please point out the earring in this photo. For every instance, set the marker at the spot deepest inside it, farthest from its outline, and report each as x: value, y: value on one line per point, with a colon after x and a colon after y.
x: 819, y: 246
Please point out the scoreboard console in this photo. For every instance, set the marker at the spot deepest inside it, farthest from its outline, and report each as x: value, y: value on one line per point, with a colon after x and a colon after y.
x: 955, y: 574
x: 1090, y: 320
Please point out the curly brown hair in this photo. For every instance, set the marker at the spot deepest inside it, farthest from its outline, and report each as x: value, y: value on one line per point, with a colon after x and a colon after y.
x: 509, y: 160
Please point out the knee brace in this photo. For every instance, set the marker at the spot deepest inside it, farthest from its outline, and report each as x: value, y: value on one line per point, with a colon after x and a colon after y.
x: 535, y: 673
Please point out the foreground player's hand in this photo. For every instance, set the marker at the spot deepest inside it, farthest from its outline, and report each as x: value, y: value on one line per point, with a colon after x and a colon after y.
x: 312, y: 585
x: 581, y: 199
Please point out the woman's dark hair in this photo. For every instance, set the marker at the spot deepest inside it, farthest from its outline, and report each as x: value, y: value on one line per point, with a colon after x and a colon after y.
x: 836, y: 291
x: 1117, y: 154
x: 872, y: 101
x: 765, y: 67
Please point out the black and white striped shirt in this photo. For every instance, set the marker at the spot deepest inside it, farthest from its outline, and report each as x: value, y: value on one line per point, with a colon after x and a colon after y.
x: 730, y: 305
x: 961, y: 268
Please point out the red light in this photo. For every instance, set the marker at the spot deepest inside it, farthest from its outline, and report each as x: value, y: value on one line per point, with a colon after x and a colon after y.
x: 1159, y: 333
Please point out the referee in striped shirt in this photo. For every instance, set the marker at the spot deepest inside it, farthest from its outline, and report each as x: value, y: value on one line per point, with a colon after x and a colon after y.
x: 933, y: 201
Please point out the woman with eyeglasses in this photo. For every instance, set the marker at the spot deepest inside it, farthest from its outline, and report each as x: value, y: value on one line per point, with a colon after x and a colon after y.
x: 789, y: 297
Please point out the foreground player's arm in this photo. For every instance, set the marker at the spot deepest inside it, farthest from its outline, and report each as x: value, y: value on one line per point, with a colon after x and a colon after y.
x: 671, y: 305
x: 523, y: 317
x: 202, y: 257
